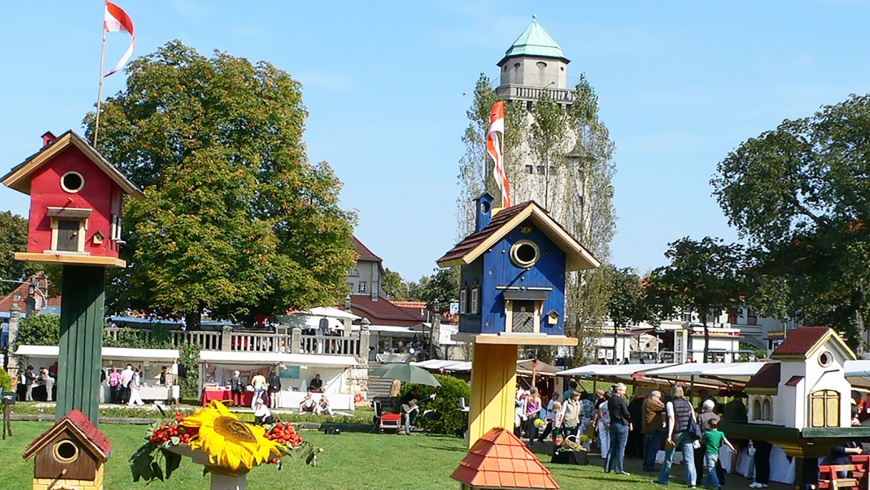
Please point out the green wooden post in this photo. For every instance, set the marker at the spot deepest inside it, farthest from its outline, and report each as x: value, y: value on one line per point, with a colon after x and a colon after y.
x: 81, y: 340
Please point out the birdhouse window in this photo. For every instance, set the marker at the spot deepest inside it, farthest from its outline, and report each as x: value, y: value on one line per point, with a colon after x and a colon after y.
x: 463, y: 301
x: 825, y: 359
x: 825, y: 408
x: 72, y: 182
x: 116, y: 227
x: 66, y: 452
x: 475, y: 299
x: 525, y: 254
x: 767, y: 409
x: 756, y: 409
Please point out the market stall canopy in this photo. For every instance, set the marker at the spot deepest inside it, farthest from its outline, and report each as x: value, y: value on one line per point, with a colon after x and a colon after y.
x: 610, y: 371
x: 858, y: 372
x: 267, y: 358
x: 111, y: 353
x: 540, y: 369
x: 715, y: 373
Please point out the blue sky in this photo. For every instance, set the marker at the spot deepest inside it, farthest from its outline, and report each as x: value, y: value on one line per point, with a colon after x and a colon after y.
x: 387, y: 85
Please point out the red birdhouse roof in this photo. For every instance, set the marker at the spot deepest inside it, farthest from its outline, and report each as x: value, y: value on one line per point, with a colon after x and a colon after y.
x: 19, y: 177
x: 500, y: 460
x: 82, y: 428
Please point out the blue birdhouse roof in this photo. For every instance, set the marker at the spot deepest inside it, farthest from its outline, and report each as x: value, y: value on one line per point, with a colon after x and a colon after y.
x: 474, y: 245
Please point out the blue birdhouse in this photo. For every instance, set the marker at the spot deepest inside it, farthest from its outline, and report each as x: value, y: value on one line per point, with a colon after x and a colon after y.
x: 513, y: 270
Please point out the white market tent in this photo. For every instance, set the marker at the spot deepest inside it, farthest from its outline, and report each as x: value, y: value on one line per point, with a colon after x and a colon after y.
x: 610, y: 371
x: 216, y: 368
x: 109, y: 353
x: 271, y: 358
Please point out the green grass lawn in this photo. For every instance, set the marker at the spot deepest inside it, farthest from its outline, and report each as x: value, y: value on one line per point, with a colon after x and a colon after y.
x: 349, y: 461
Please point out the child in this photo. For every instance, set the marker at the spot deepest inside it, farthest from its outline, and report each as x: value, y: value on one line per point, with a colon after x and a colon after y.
x: 558, y: 417
x: 713, y: 440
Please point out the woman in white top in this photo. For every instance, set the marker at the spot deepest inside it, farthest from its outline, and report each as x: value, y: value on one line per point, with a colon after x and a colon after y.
x: 135, y: 398
x: 604, y: 426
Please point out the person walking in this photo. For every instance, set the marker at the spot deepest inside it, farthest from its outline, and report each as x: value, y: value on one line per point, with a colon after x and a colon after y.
x: 620, y: 426
x: 706, y: 417
x: 126, y: 376
x: 29, y: 382
x: 46, y: 380
x: 275, y: 388
x: 115, y: 385
x: 532, y: 409
x: 679, y: 411
x: 652, y: 426
x: 237, y: 387
x: 571, y: 415
x: 711, y: 441
x: 134, y: 385
x: 603, y: 415
x: 259, y: 384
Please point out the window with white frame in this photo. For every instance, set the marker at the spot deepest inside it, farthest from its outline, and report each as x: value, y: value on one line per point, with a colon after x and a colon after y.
x: 463, y: 301
x: 475, y: 297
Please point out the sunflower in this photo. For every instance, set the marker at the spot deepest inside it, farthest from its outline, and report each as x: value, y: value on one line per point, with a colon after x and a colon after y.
x: 228, y: 441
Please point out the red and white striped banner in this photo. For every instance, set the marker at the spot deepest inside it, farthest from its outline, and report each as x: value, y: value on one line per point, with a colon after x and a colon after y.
x: 116, y: 20
x: 494, y: 138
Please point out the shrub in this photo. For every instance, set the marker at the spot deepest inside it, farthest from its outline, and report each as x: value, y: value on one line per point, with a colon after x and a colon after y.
x: 446, y: 403
x: 5, y: 380
x: 38, y: 330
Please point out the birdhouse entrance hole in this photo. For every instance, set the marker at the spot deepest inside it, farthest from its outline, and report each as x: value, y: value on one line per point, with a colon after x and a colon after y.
x: 66, y: 451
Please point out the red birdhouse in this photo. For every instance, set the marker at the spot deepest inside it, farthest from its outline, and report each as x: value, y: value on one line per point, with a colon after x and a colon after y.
x: 75, y: 203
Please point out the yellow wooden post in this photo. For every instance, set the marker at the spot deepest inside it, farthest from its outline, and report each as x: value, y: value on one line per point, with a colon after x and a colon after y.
x: 493, y: 389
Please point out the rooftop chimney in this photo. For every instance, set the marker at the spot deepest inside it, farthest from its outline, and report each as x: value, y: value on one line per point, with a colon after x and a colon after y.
x: 48, y: 138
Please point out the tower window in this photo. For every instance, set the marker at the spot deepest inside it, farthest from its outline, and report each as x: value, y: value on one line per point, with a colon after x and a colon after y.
x: 541, y: 65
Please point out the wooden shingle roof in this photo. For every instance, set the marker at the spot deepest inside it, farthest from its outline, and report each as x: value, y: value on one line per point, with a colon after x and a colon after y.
x: 803, y: 342
x: 500, y: 460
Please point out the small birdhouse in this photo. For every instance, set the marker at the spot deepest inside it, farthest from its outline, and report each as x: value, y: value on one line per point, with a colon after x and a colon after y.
x: 75, y: 203
x: 807, y: 388
x: 70, y: 455
x: 513, y: 271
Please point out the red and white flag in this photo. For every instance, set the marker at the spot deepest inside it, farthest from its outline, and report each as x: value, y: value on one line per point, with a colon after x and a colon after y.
x: 116, y: 20
x: 493, y: 146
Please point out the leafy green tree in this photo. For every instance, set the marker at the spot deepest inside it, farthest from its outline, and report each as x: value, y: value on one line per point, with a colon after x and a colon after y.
x: 237, y: 221
x: 705, y: 276
x: 394, y: 286
x: 37, y: 330
x: 451, y: 420
x: 443, y: 286
x: 801, y: 197
x: 627, y: 304
x: 14, y: 239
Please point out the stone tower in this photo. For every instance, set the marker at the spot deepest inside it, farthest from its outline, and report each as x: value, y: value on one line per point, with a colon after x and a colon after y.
x: 534, y: 62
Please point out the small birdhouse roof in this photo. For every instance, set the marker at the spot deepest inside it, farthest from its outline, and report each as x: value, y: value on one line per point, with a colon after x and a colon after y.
x: 19, y: 177
x: 81, y: 428
x: 766, y: 380
x: 500, y: 460
x: 476, y: 244
x: 803, y: 342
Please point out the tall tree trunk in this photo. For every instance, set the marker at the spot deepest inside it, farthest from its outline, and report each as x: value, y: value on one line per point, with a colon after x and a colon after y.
x: 706, y: 338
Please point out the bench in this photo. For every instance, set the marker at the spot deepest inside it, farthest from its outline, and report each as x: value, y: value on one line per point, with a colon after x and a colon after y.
x: 856, y: 474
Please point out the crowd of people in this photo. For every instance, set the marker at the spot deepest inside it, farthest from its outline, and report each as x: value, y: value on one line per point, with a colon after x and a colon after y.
x: 643, y: 425
x: 125, y: 384
x: 36, y: 385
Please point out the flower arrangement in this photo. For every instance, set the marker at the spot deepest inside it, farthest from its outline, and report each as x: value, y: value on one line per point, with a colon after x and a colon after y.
x: 225, y: 443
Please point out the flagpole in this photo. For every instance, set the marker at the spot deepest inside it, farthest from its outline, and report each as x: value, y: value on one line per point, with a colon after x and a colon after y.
x: 100, y: 90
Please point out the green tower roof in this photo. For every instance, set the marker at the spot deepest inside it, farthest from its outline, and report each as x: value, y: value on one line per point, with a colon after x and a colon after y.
x: 535, y: 41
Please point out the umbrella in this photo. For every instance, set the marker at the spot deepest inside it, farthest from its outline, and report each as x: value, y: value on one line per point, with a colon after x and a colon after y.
x: 407, y: 373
